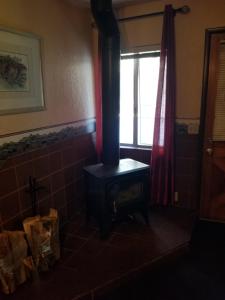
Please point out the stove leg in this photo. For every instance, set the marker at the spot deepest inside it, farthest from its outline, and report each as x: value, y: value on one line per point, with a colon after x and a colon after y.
x: 105, y: 227
x: 104, y: 217
x: 105, y: 232
x: 87, y: 199
x: 145, y: 216
x: 146, y: 200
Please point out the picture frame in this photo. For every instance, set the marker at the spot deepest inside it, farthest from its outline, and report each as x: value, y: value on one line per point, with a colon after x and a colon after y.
x: 21, y: 82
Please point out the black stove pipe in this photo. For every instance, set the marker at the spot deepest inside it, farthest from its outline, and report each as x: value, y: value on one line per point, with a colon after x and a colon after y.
x: 110, y: 48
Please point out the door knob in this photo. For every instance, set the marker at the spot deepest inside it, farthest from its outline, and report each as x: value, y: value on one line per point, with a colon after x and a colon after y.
x: 209, y: 151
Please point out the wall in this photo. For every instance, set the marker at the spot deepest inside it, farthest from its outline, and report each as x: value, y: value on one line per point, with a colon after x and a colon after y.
x: 66, y: 57
x: 66, y: 53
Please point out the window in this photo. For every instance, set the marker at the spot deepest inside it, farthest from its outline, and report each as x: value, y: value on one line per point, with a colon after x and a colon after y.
x: 138, y: 91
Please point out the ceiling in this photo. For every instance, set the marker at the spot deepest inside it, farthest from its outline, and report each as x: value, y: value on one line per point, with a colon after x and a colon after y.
x: 115, y: 2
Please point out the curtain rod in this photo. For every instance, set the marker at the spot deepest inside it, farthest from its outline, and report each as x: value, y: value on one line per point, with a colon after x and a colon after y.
x: 183, y: 10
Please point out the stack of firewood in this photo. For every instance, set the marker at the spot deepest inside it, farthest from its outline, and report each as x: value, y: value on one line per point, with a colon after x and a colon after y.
x: 16, y: 266
x: 43, y: 239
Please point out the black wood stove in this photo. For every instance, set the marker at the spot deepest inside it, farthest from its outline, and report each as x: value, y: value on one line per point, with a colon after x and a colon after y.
x: 114, y: 187
x: 112, y: 193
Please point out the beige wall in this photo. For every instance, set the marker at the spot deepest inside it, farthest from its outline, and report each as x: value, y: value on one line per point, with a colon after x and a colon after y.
x: 66, y: 56
x: 190, y: 35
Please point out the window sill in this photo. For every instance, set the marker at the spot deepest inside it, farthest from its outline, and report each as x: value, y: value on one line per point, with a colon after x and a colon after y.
x: 142, y: 154
x: 136, y: 147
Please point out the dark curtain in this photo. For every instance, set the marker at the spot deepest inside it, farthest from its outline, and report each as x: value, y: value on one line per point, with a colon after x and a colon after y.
x: 98, y: 99
x: 162, y: 158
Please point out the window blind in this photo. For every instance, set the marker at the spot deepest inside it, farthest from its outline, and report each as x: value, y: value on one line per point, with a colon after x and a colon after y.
x: 219, y: 117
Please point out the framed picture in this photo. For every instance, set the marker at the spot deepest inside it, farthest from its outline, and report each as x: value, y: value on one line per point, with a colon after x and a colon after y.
x: 21, y: 87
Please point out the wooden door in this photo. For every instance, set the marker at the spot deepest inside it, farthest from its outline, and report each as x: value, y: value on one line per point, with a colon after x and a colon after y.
x: 212, y: 204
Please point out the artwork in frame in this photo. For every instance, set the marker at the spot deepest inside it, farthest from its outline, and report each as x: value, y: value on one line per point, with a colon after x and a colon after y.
x: 21, y: 86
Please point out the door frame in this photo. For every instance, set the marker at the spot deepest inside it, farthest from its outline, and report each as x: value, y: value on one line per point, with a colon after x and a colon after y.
x: 208, y: 35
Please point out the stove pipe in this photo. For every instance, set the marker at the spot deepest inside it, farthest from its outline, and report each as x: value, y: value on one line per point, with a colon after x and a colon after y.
x: 110, y: 48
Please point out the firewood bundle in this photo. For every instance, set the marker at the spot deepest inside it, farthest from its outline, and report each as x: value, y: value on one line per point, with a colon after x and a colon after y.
x: 43, y: 238
x: 15, y: 265
x: 42, y: 234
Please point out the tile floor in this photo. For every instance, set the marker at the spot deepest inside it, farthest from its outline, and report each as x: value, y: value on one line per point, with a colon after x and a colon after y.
x: 89, y: 267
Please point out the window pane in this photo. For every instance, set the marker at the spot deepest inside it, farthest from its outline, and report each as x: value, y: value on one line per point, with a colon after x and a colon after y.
x: 148, y: 84
x: 126, y: 100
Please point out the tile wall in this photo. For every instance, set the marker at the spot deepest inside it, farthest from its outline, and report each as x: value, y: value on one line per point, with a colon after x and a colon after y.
x: 58, y: 170
x: 187, y: 181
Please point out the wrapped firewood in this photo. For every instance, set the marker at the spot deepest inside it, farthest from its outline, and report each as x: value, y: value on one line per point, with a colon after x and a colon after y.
x: 43, y: 237
x: 15, y: 266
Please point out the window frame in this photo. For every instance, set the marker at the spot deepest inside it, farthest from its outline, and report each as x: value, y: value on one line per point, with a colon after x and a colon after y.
x: 155, y: 52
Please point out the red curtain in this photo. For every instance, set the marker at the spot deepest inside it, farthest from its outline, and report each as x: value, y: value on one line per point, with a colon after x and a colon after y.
x: 162, y: 158
x: 98, y: 99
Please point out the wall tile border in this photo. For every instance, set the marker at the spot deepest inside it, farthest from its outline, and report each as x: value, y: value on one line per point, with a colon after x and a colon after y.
x: 187, y: 126
x: 17, y: 143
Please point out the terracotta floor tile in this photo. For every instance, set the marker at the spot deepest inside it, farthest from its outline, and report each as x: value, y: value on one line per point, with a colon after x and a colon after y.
x: 30, y: 290
x: 86, y: 296
x: 94, y: 246
x: 88, y: 262
x: 65, y: 255
x: 68, y: 283
x: 72, y: 227
x: 73, y: 243
x: 86, y: 231
x: 93, y: 272
x: 151, y: 246
x: 79, y: 227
